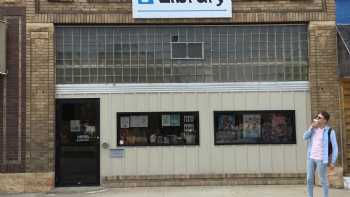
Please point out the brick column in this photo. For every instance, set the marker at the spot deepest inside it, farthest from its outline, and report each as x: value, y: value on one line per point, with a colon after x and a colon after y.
x: 40, y: 109
x: 324, y: 83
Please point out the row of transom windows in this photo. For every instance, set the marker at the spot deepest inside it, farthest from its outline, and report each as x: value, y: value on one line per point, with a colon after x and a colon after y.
x: 181, y: 54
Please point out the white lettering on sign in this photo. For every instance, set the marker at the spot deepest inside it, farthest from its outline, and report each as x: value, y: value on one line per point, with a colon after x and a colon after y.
x: 182, y: 8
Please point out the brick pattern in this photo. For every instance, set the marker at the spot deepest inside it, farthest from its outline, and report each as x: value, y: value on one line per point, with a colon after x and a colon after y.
x: 40, y: 108
x: 324, y: 84
x: 12, y: 3
x: 12, y: 94
x: 244, y: 11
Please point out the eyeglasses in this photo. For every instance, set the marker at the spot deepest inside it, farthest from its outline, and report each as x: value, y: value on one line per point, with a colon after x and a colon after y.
x: 319, y: 117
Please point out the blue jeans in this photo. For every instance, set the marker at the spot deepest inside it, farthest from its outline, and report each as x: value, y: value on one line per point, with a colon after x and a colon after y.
x: 310, y: 176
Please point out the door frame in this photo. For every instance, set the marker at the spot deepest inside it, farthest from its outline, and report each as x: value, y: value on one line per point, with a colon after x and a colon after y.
x: 58, y: 112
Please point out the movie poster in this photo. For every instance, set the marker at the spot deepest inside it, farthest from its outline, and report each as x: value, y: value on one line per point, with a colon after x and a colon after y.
x: 226, y: 122
x: 251, y: 125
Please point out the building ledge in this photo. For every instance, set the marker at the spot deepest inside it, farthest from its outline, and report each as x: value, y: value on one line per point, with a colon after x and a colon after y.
x: 289, y: 86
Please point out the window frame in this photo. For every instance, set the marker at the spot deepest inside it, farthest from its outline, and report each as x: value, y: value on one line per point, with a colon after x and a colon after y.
x: 290, y: 113
x: 159, y: 114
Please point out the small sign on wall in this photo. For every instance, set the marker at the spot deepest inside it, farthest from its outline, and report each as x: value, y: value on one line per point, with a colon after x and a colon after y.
x: 117, y: 153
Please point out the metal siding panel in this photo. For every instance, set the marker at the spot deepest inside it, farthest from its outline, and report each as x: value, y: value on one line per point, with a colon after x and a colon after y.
x: 105, y: 136
x: 154, y: 102
x: 266, y: 159
x: 276, y: 100
x: 205, y: 158
x: 290, y: 158
x: 167, y: 161
x: 253, y: 157
x: 252, y: 100
x: 242, y: 159
x: 155, y: 160
x: 180, y: 160
x: 130, y: 161
x: 228, y: 101
x: 179, y: 102
x: 263, y: 101
x: 192, y: 164
x: 129, y: 103
x: 240, y: 101
x: 277, y: 158
x: 302, y: 118
x: 166, y: 102
x: 142, y: 103
x: 229, y: 163
x: 143, y: 161
x: 205, y: 135
x: 191, y: 101
x: 217, y: 160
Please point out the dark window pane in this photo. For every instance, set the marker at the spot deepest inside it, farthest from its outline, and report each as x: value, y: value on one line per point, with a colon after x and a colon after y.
x: 195, y: 50
x: 178, y: 50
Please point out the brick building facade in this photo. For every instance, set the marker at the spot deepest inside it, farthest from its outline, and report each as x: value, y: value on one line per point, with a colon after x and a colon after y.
x: 27, y: 128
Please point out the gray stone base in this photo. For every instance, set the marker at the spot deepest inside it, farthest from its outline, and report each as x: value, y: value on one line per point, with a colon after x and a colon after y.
x: 204, y: 180
x: 26, y: 182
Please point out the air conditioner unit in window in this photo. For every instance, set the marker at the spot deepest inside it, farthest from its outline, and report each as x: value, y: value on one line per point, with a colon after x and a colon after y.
x: 187, y: 50
x: 3, y: 47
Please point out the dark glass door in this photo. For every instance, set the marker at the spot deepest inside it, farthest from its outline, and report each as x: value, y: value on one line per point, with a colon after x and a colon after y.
x: 77, y: 142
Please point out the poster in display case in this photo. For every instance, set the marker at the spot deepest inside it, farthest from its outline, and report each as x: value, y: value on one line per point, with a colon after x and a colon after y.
x: 157, y: 128
x: 251, y: 125
x: 254, y: 127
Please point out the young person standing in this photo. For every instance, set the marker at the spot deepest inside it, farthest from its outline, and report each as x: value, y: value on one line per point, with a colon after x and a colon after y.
x: 318, y: 153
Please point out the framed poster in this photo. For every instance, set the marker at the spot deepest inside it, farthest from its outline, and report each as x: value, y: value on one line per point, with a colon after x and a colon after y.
x: 254, y: 127
x: 157, y: 128
x: 251, y: 126
x: 139, y: 121
x: 125, y: 122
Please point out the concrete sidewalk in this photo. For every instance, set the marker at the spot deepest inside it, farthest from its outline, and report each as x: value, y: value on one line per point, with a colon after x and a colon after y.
x: 211, y: 191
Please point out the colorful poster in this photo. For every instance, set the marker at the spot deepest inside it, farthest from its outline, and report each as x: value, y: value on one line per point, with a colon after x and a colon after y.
x: 226, y: 122
x: 139, y: 121
x: 251, y: 125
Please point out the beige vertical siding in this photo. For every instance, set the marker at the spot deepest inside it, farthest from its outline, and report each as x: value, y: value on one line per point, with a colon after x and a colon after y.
x: 205, y: 158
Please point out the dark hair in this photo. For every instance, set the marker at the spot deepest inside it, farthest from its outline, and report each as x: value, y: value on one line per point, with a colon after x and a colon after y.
x: 324, y: 114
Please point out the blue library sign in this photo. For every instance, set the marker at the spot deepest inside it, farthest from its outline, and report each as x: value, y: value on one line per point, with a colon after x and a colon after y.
x: 343, y: 11
x: 182, y: 8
